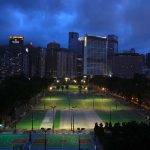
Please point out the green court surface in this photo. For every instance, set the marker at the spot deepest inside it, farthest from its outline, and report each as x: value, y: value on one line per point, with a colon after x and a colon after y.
x: 61, y: 101
x: 107, y: 108
x: 37, y: 141
x: 10, y: 140
x: 63, y: 141
x: 111, y: 110
x: 57, y: 119
x: 26, y: 122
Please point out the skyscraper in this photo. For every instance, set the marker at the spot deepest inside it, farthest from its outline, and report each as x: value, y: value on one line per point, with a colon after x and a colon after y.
x: 31, y: 61
x: 51, y: 59
x: 12, y: 56
x: 126, y: 65
x: 73, y: 41
x: 112, y: 45
x: 62, y: 56
x: 80, y: 57
x: 95, y: 55
x: 112, y: 49
x: 16, y: 40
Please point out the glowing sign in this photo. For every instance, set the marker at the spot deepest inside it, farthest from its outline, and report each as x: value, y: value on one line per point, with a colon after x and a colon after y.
x: 16, y: 39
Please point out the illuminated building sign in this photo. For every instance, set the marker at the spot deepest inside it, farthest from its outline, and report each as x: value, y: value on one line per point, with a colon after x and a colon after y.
x: 16, y: 39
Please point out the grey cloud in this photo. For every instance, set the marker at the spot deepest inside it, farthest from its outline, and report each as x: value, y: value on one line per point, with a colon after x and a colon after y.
x: 53, y: 19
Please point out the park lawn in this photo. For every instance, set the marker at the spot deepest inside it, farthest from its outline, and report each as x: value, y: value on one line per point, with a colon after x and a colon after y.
x: 26, y: 122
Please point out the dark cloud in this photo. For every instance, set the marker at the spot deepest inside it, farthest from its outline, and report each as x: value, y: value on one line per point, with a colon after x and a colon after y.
x: 42, y: 21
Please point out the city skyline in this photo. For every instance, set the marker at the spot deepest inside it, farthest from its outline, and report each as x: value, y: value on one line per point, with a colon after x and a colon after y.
x: 46, y: 21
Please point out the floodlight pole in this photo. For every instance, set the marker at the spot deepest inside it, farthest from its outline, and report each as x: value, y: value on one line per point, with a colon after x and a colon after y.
x: 80, y: 130
x: 15, y: 125
x: 73, y: 121
x: 53, y: 107
x: 32, y: 123
x: 110, y: 114
x: 32, y: 120
x: 45, y: 140
x: 73, y: 118
x: 93, y: 102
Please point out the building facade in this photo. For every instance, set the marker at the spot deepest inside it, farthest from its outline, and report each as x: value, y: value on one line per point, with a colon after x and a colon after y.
x: 73, y: 43
x: 148, y: 60
x: 95, y: 55
x: 62, y: 55
x: 51, y: 59
x: 127, y: 65
x: 31, y: 61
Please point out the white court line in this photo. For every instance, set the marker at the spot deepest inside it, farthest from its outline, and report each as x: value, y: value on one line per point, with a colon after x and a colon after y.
x: 48, y: 120
x: 82, y: 118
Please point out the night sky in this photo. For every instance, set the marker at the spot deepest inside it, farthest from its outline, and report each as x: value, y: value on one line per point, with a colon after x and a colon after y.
x: 43, y: 21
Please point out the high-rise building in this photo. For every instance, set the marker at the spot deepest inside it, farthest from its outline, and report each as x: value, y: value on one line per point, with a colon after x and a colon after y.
x: 42, y: 63
x: 126, y: 65
x: 51, y: 59
x: 73, y: 41
x: 11, y: 57
x: 112, y: 45
x: 95, y: 55
x: 80, y: 57
x: 62, y: 56
x: 71, y: 64
x: 112, y: 49
x: 16, y: 40
x: 148, y: 60
x: 31, y: 61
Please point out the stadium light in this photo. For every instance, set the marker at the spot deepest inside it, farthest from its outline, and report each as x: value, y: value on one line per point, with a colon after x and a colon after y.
x: 93, y: 102
x: 53, y: 107
x: 45, y: 132
x: 32, y: 118
x: 79, y: 131
x: 72, y: 118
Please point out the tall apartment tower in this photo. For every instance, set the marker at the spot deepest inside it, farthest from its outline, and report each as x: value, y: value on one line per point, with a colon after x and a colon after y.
x: 112, y: 49
x: 73, y: 41
x: 148, y: 60
x: 31, y: 61
x: 62, y: 56
x: 14, y: 54
x: 51, y: 59
x: 80, y: 57
x: 95, y: 55
x: 112, y: 45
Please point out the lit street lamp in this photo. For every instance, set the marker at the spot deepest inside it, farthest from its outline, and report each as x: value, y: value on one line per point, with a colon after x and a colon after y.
x: 32, y: 118
x: 53, y: 107
x: 15, y: 126
x: 93, y: 103
x: 72, y: 118
x: 110, y: 114
x: 45, y: 132
x: 79, y: 131
x: 68, y: 97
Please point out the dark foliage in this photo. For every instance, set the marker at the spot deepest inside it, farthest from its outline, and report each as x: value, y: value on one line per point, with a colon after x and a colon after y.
x: 16, y: 90
x: 138, y: 87
x: 128, y: 136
